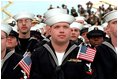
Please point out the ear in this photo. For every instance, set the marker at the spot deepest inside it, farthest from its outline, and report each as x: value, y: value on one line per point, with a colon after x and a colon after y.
x: 50, y: 30
x: 16, y: 42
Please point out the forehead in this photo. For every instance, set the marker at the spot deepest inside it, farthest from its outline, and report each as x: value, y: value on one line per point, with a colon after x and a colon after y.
x: 61, y: 23
x: 114, y: 20
x: 11, y: 36
x: 3, y: 33
x: 96, y: 37
x: 24, y: 19
x: 74, y: 28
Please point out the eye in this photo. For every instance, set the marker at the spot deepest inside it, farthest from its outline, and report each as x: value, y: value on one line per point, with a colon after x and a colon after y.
x: 19, y: 21
x: 115, y: 22
x: 3, y: 38
x: 66, y: 27
x: 71, y: 29
x: 28, y: 20
x: 76, y: 30
x: 56, y: 27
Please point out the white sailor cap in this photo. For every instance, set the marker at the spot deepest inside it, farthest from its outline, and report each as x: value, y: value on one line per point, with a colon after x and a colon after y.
x: 15, y: 28
x: 95, y: 31
x: 87, y: 26
x: 43, y: 25
x: 36, y: 20
x: 10, y: 20
x: 6, y: 28
x: 34, y: 28
x: 110, y: 16
x: 104, y: 25
x: 76, y: 25
x: 95, y: 28
x: 53, y: 12
x: 38, y: 26
x: 24, y: 15
x: 57, y: 15
x: 80, y: 18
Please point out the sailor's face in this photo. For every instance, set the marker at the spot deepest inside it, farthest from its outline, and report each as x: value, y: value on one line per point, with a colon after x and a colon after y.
x: 3, y: 42
x: 75, y: 32
x: 60, y: 32
x: 112, y: 27
x: 95, y: 41
x: 24, y: 25
x: 11, y: 42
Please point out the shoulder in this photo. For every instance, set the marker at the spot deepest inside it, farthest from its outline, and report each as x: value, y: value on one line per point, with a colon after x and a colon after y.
x: 41, y: 43
x: 41, y: 50
x: 105, y: 46
x: 15, y: 58
x: 105, y: 51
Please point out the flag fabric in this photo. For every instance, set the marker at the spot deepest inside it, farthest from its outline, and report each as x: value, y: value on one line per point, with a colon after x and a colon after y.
x: 86, y: 53
x: 25, y: 64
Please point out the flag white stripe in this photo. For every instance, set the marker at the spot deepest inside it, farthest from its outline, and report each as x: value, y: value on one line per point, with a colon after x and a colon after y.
x: 89, y: 55
x: 25, y: 67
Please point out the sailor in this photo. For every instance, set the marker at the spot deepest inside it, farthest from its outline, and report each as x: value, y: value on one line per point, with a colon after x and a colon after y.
x: 105, y: 63
x: 58, y: 58
x: 10, y: 59
x: 24, y: 24
x: 75, y: 32
x: 96, y: 35
x: 12, y: 40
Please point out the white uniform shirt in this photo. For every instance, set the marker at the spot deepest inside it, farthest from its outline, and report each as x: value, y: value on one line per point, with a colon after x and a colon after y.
x: 60, y: 57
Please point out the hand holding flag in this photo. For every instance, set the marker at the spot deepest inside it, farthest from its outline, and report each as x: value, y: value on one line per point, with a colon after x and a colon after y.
x: 25, y: 63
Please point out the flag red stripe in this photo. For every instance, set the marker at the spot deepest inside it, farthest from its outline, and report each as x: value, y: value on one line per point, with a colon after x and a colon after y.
x: 86, y: 55
x: 25, y: 69
x: 92, y: 57
x: 89, y: 55
x: 91, y: 60
x: 86, y: 60
x: 24, y: 66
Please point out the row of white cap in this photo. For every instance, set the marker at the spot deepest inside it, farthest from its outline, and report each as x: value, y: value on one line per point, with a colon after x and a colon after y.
x: 56, y: 15
x: 60, y: 15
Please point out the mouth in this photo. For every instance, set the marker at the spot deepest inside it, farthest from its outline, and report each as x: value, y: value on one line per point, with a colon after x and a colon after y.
x: 62, y: 36
x: 73, y: 36
x: 9, y: 42
x: 23, y: 28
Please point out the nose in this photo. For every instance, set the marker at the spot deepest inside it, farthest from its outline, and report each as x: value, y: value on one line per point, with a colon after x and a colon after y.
x: 96, y: 38
x: 24, y: 22
x: 61, y: 29
x: 73, y: 33
x: 9, y: 39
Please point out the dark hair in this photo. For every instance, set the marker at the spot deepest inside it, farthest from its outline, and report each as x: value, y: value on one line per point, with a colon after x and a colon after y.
x: 14, y: 33
x: 83, y: 30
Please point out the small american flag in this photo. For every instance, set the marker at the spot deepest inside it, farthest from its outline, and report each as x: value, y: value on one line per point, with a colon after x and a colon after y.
x: 25, y: 64
x: 86, y: 53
